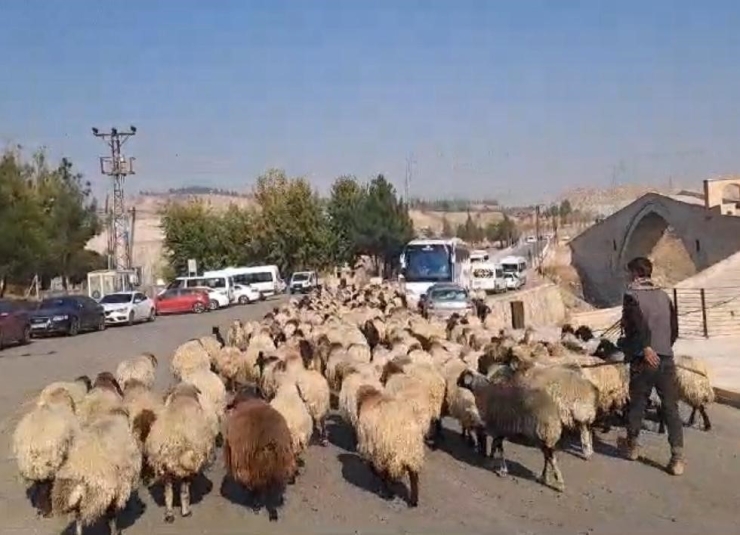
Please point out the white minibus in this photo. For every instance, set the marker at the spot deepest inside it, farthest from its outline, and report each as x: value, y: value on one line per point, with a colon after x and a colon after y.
x: 266, y: 279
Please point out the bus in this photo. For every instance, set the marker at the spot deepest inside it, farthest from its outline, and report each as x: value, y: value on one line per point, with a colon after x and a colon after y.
x: 478, y: 255
x: 266, y: 279
x: 488, y: 277
x: 428, y: 261
x: 516, y: 265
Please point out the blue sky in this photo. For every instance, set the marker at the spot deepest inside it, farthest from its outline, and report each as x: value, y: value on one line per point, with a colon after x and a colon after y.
x: 517, y: 100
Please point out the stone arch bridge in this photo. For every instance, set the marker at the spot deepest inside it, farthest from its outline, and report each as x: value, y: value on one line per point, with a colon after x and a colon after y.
x: 682, y: 238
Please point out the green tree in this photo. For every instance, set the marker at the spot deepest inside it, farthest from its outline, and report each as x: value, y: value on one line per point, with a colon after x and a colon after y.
x: 565, y: 211
x: 447, y: 230
x: 192, y: 230
x: 384, y: 225
x: 343, y: 208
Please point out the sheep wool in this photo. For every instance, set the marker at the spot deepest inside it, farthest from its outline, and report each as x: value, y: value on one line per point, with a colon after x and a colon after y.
x: 141, y: 368
x: 188, y: 357
x: 77, y: 389
x: 290, y: 405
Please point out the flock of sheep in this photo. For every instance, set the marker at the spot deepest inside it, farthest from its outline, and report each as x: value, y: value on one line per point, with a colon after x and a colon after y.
x: 264, y: 391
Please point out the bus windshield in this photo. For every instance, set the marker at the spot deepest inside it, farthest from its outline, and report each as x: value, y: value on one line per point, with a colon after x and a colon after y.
x: 427, y: 263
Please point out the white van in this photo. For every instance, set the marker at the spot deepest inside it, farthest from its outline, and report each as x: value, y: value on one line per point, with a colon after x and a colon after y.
x: 489, y: 277
x: 266, y: 279
x: 478, y: 255
x: 516, y: 265
x: 216, y: 282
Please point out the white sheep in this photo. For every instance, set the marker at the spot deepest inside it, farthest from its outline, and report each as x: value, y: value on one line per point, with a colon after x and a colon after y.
x: 290, y: 404
x: 77, y: 389
x: 190, y: 356
x: 179, y: 445
x: 212, y: 395
x: 41, y: 442
x: 142, y: 368
x: 100, y: 473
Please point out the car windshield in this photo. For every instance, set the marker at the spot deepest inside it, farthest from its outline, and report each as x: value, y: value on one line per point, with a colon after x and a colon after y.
x: 300, y: 276
x: 116, y: 299
x: 447, y: 295
x: 57, y: 302
x: 427, y: 263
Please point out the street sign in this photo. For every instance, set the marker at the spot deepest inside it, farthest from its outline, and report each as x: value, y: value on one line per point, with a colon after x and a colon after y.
x: 192, y: 267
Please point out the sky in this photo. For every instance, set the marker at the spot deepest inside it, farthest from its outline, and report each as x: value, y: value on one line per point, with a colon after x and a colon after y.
x: 517, y: 100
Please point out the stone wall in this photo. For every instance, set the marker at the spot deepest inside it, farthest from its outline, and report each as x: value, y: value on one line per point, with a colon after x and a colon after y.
x: 543, y: 305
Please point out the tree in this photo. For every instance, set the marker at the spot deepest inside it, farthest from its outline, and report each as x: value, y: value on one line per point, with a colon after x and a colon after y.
x: 447, y: 230
x: 469, y: 231
x: 344, y: 205
x: 565, y: 211
x: 384, y: 225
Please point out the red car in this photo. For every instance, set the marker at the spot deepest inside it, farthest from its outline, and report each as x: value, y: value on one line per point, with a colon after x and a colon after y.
x: 178, y: 300
x: 15, y: 325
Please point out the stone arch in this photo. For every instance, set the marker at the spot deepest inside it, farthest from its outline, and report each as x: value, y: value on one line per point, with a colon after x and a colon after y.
x: 651, y: 235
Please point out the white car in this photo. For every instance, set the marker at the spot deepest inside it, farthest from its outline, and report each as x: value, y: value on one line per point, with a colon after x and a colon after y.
x: 246, y: 293
x: 128, y: 308
x: 512, y: 281
x: 216, y: 298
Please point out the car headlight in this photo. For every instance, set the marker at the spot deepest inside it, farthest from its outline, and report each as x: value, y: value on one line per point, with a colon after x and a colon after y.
x: 60, y: 317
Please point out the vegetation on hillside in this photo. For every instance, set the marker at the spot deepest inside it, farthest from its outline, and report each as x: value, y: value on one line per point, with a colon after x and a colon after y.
x: 291, y: 226
x: 47, y: 216
x: 193, y: 190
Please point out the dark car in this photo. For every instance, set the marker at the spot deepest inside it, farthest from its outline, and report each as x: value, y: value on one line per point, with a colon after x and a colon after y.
x: 15, y: 327
x: 69, y: 314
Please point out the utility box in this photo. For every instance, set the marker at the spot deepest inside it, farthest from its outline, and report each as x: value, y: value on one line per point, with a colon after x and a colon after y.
x: 108, y: 281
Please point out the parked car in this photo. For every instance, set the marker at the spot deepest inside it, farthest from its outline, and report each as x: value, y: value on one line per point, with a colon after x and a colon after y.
x: 128, y: 307
x: 444, y: 299
x: 246, y: 293
x: 303, y: 281
x: 216, y: 299
x: 512, y: 281
x: 178, y: 300
x: 69, y: 314
x: 15, y: 326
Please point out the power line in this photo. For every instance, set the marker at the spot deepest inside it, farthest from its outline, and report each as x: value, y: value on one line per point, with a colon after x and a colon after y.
x: 118, y: 167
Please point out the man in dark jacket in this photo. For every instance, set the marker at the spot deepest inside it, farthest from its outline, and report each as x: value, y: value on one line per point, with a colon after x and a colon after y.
x: 650, y: 329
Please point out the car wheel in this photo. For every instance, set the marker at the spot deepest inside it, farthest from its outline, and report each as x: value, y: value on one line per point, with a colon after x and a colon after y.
x: 130, y: 318
x: 152, y: 314
x: 243, y: 299
x: 212, y: 305
x: 198, y: 308
x: 74, y: 327
x: 262, y: 296
x: 101, y: 324
x: 26, y: 336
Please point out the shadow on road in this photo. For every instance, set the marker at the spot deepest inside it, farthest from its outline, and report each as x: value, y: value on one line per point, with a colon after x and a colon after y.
x: 340, y: 433
x: 357, y: 472
x: 134, y: 510
x: 200, y: 487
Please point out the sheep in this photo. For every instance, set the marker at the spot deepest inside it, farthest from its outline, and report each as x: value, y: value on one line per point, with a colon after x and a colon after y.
x: 236, y: 336
x: 180, y: 443
x: 100, y: 473
x: 141, y: 368
x: 105, y: 395
x: 509, y: 409
x: 390, y: 439
x: 77, y: 389
x: 258, y: 451
x: 143, y: 406
x: 353, y: 380
x: 189, y: 356
x: 212, y: 395
x: 228, y: 362
x: 694, y: 388
x: 41, y: 441
x: 460, y: 402
x: 211, y: 344
x: 289, y: 403
x: 575, y: 396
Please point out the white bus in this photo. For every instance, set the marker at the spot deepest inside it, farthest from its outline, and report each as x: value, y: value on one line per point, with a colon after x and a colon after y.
x: 266, y: 279
x: 478, y: 255
x: 426, y: 262
x: 516, y: 265
x: 488, y: 276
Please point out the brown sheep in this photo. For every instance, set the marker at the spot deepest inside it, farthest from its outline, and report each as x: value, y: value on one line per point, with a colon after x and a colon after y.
x: 258, y: 450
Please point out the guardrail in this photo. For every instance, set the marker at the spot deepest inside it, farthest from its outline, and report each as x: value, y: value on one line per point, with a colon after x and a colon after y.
x: 707, y: 312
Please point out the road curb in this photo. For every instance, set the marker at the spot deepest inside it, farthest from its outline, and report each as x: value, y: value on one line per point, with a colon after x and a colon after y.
x: 727, y: 397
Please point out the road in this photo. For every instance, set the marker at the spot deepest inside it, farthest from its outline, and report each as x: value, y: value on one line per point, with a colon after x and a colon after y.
x: 336, y: 493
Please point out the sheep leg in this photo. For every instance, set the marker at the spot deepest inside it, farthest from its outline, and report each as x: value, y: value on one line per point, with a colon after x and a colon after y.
x: 413, y: 487
x: 113, y: 522
x: 78, y: 524
x: 185, y: 498
x: 482, y: 442
x: 587, y: 447
x: 42, y: 497
x: 559, y: 481
x: 497, y: 447
x: 705, y: 417
x: 169, y: 514
x: 692, y: 417
x: 323, y: 439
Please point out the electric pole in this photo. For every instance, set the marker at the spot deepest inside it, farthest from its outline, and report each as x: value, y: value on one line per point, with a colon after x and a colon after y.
x: 118, y: 167
x: 536, y: 233
x: 407, y: 180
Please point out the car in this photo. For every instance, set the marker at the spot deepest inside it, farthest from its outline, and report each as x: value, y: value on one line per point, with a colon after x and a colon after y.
x: 178, y: 300
x: 15, y: 325
x: 246, y: 293
x: 444, y: 299
x: 216, y: 299
x: 128, y: 307
x: 68, y: 314
x: 303, y: 281
x: 512, y: 281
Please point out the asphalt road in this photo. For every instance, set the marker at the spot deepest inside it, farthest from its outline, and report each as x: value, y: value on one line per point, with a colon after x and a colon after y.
x: 336, y: 493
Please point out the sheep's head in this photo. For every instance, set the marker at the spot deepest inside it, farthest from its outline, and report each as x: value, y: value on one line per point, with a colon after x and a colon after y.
x: 151, y: 358
x: 371, y: 333
x: 263, y: 361
x: 391, y: 368
x: 306, y: 350
x: 133, y: 384
x: 60, y: 396
x: 85, y: 380
x: 452, y: 321
x: 584, y: 333
x: 367, y: 395
x: 182, y: 390
x: 245, y: 393
x: 470, y: 380
x: 106, y: 381
x: 567, y: 329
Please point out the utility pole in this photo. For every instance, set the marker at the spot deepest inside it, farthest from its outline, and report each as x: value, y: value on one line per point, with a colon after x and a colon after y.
x: 536, y: 233
x: 407, y: 180
x: 118, y: 167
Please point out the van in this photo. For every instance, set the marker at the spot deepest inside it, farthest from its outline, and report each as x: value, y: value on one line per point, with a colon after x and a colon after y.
x: 516, y: 265
x: 220, y: 283
x: 266, y: 279
x: 489, y: 277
